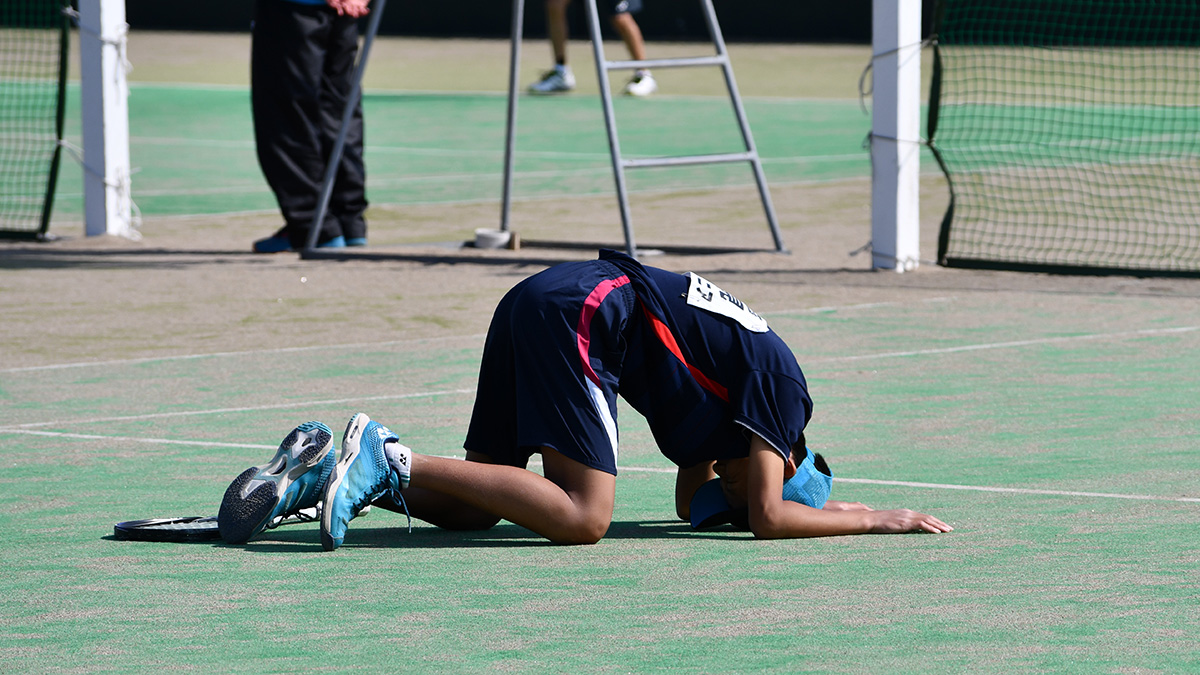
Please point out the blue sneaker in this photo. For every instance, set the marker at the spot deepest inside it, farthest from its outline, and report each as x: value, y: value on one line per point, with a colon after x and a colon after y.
x: 356, y: 241
x: 361, y: 476
x: 275, y: 243
x: 292, y: 481
x: 278, y: 243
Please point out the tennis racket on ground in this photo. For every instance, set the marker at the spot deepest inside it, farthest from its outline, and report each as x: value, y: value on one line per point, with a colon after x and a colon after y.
x: 196, y: 528
x: 181, y: 530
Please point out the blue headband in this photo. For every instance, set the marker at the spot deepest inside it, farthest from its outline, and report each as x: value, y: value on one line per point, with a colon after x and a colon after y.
x: 811, y: 485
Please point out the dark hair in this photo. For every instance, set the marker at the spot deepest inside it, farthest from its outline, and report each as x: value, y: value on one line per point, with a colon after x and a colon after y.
x: 799, y: 450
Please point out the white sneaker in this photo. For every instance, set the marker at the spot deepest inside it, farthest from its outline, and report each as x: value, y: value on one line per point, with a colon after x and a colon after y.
x: 556, y: 81
x: 642, y: 84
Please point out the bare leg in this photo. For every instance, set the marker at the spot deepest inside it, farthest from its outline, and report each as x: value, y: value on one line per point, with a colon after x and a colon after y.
x: 631, y: 35
x: 687, y: 481
x: 441, y: 509
x: 556, y: 26
x: 572, y: 504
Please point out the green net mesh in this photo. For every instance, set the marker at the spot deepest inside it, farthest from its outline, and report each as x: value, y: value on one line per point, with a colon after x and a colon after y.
x: 32, y: 44
x: 1070, y: 133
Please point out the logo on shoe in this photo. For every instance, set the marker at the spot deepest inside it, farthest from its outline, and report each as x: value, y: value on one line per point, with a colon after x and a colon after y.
x: 384, y: 433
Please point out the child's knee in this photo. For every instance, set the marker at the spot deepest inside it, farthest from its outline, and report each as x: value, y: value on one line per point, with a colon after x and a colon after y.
x: 587, y: 532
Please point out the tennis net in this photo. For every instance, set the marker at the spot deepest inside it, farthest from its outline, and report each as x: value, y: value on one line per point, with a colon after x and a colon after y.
x: 1069, y: 131
x: 33, y: 48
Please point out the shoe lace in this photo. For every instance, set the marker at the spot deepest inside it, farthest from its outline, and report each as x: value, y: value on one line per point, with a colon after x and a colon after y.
x: 392, y: 493
x: 395, y: 495
x: 302, y: 516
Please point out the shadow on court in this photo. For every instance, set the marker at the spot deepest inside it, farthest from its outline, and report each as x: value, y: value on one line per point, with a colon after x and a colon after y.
x: 504, y: 535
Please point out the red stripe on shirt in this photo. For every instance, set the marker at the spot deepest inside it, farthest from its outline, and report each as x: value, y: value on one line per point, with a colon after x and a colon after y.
x: 668, y: 340
x: 584, y: 331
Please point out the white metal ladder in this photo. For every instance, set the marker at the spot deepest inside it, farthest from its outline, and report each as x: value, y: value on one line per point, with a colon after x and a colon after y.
x: 603, y: 66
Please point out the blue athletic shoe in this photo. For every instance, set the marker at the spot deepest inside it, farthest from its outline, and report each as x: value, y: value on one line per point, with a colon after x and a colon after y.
x: 356, y: 241
x: 273, y: 244
x: 278, y: 243
x: 361, y: 476
x: 294, y: 480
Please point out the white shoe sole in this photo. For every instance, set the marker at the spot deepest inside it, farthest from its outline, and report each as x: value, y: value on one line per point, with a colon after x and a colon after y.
x: 350, y: 450
x: 253, y: 497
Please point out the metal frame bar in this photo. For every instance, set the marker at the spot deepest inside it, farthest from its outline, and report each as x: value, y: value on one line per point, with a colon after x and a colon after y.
x: 619, y: 164
x: 735, y: 97
x: 610, y: 123
x: 518, y: 28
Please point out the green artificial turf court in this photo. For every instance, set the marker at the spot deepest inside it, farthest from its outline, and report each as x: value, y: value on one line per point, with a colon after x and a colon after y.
x: 1051, y: 421
x: 1065, y: 461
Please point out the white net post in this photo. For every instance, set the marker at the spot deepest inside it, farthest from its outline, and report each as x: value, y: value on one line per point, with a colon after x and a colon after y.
x: 895, y: 134
x: 104, y: 92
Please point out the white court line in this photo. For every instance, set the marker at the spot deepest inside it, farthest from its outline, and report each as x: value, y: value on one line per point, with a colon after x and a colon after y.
x: 222, y: 411
x: 410, y: 151
x: 1145, y: 332
x: 944, y: 486
x: 644, y: 469
x: 726, y: 186
x: 249, y: 352
x: 285, y: 406
x: 388, y: 343
x: 845, y: 308
x: 492, y: 93
x: 1023, y: 491
x: 400, y: 182
x: 131, y: 439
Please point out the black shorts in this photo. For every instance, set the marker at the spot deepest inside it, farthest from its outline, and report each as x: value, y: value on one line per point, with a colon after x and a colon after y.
x: 620, y: 6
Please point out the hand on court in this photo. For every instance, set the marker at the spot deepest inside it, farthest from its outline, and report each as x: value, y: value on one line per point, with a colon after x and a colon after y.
x: 899, y: 521
x: 354, y: 8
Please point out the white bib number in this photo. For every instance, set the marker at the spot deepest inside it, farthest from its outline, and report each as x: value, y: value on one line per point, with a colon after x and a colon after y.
x: 705, y: 295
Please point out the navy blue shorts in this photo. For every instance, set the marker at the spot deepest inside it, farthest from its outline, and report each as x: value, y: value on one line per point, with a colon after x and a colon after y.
x: 621, y: 6
x: 550, y: 368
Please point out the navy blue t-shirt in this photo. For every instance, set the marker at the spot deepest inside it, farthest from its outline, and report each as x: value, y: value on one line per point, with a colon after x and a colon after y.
x: 701, y: 378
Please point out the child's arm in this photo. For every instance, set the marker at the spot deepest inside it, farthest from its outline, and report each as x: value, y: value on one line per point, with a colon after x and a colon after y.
x: 687, y: 481
x: 773, y: 518
x: 833, y: 505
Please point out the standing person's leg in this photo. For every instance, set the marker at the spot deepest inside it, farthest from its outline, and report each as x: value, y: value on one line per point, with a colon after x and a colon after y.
x: 642, y: 83
x: 560, y: 78
x: 557, y: 28
x: 630, y: 34
x: 287, y: 59
x: 348, y: 200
